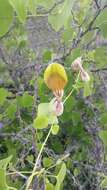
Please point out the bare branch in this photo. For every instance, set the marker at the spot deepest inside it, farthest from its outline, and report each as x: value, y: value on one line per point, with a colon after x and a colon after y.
x: 97, y: 70
x: 97, y: 4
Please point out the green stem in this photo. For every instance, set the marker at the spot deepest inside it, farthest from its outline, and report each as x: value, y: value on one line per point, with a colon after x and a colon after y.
x: 37, y: 160
x: 12, y: 188
x: 51, y: 176
x: 77, y: 79
x: 63, y: 158
x: 68, y: 96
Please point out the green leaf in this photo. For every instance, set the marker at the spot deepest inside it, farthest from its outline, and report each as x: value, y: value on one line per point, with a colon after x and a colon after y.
x: 101, y: 22
x: 52, y: 119
x: 11, y: 110
x: 103, y: 136
x: 104, y: 183
x: 43, y: 109
x: 30, y: 158
x: 20, y: 6
x: 32, y: 7
x: 47, y: 162
x: 60, y: 177
x: 41, y: 122
x: 67, y: 25
x: 49, y: 186
x: 3, y: 95
x: 60, y: 15
x: 55, y: 129
x: 67, y: 35
x: 6, y: 16
x: 47, y: 55
x: 82, y: 11
x: 26, y: 100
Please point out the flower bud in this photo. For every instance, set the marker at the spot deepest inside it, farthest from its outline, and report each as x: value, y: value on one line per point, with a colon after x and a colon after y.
x: 77, y: 65
x: 84, y: 76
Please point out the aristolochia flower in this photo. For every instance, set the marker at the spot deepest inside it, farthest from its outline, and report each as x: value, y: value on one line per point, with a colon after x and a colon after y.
x: 55, y: 77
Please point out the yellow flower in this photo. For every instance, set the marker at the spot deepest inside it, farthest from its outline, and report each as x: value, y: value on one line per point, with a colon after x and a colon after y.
x: 55, y: 77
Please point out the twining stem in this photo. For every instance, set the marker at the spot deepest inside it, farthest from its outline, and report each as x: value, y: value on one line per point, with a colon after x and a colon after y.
x: 37, y: 160
x: 68, y: 95
x: 77, y: 79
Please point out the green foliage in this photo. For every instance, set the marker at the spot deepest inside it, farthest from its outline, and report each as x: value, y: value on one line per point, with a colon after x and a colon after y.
x: 60, y: 15
x: 83, y: 5
x: 20, y: 6
x: 45, y: 116
x: 60, y: 177
x: 46, y: 109
x: 47, y: 162
x: 101, y: 22
x: 49, y: 186
x: 47, y: 55
x: 6, y: 17
x: 55, y: 129
x: 32, y: 7
x: 67, y: 35
x: 11, y: 110
x: 3, y: 95
x: 41, y: 122
x: 26, y: 100
x: 43, y: 109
